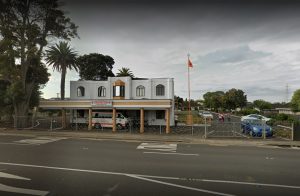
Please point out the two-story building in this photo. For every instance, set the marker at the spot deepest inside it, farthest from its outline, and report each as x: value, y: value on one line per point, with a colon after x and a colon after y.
x: 150, y: 100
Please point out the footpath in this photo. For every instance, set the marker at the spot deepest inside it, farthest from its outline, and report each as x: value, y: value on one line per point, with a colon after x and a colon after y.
x: 152, y: 137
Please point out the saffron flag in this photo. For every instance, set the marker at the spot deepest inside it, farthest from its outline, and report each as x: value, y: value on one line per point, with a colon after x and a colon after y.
x: 190, y: 63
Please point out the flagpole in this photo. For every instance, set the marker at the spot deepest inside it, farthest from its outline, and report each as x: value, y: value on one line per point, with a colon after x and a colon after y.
x: 189, y: 86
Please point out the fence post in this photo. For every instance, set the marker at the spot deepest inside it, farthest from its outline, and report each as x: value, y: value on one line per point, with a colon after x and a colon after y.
x: 160, y: 129
x: 233, y: 129
x: 192, y: 129
x: 293, y: 130
x: 51, y: 124
x: 205, y: 128
x: 76, y: 125
x: 264, y: 129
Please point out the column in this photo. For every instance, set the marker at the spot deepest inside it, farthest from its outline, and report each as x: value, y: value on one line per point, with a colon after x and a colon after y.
x: 114, y: 120
x: 168, y: 120
x: 63, y: 118
x: 90, y: 119
x: 142, y: 118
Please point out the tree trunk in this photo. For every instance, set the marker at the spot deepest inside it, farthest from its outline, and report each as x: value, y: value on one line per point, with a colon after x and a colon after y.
x: 62, y: 82
x: 21, y: 114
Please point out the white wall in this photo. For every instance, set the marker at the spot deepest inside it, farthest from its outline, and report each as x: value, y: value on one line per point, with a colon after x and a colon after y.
x: 91, y: 88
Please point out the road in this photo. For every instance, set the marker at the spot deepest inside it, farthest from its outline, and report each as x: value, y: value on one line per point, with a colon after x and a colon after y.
x: 66, y: 166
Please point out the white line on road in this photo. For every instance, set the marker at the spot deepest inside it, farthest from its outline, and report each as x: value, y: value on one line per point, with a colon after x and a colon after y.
x: 11, y: 143
x: 6, y: 175
x: 172, y: 153
x: 158, y: 147
x: 21, y: 190
x: 39, y: 140
x: 179, y: 186
x: 252, y: 183
x: 140, y: 175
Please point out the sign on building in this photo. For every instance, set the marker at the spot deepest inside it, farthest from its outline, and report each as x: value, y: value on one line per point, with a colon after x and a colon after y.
x: 102, y: 103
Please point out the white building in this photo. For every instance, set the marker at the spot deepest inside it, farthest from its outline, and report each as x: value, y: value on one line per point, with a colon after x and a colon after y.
x: 150, y: 100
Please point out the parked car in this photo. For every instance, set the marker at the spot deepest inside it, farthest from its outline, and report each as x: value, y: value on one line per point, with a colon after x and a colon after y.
x: 206, y: 114
x: 256, y: 116
x: 254, y: 127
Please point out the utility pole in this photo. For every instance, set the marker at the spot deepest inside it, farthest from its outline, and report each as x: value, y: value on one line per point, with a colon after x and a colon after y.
x: 287, y: 93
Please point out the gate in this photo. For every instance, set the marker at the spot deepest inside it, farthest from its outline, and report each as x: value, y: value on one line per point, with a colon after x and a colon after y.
x: 225, y: 129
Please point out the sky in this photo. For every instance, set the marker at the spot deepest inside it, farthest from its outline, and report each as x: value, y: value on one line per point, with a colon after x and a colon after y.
x: 249, y: 45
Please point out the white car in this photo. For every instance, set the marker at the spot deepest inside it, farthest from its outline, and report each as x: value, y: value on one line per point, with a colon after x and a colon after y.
x: 206, y: 114
x: 256, y: 116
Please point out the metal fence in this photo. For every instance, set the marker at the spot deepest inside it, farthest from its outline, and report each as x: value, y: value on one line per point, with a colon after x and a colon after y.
x: 42, y: 123
x: 206, y: 129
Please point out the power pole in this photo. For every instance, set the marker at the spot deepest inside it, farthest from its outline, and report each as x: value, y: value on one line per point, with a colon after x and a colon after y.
x: 287, y: 93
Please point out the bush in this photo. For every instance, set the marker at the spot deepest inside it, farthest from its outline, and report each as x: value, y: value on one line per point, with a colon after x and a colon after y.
x: 247, y: 112
x: 282, y: 117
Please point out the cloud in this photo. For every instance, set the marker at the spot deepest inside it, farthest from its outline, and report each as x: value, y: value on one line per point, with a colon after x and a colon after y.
x: 232, y: 55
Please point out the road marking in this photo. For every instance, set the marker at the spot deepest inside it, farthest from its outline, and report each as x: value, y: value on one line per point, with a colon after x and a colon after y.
x: 158, y: 147
x: 180, y: 186
x: 172, y: 153
x: 6, y: 175
x: 11, y: 143
x: 11, y: 189
x: 252, y: 183
x: 147, y: 176
x: 38, y: 140
x: 269, y: 158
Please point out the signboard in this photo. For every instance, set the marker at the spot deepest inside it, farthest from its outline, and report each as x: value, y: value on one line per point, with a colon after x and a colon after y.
x: 102, y: 103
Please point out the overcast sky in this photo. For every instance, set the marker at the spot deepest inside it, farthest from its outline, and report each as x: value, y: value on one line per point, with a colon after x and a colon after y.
x: 253, y: 46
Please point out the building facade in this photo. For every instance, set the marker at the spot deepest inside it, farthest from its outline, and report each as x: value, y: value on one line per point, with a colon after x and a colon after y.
x: 149, y: 100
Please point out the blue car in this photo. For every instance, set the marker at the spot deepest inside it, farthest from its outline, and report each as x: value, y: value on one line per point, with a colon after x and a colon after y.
x: 254, y: 127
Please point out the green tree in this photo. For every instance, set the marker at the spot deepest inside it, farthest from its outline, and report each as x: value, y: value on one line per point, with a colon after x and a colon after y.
x: 26, y: 27
x: 262, y: 104
x: 214, y: 100
x: 125, y: 72
x: 95, y: 66
x: 235, y: 98
x: 62, y: 57
x: 295, y: 102
x: 179, y: 102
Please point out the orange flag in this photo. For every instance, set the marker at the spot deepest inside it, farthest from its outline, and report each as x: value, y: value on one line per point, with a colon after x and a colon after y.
x: 190, y: 63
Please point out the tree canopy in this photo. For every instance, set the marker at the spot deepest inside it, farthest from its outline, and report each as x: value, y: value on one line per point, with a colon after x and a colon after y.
x: 262, y: 104
x: 125, y: 72
x: 62, y: 57
x: 214, y: 100
x: 231, y: 99
x: 295, y: 102
x: 235, y: 98
x: 25, y: 29
x: 95, y: 66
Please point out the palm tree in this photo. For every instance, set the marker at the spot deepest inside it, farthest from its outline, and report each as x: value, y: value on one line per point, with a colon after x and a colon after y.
x: 124, y: 72
x: 62, y: 57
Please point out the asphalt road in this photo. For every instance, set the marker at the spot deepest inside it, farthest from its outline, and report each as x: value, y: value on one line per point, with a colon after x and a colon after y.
x: 64, y: 166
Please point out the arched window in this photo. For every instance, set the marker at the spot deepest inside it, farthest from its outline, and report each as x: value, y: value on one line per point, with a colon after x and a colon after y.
x: 80, y: 91
x: 119, y: 89
x: 140, y: 91
x: 101, y: 91
x: 160, y: 90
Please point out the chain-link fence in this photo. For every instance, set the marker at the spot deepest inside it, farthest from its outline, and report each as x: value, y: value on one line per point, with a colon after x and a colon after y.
x: 225, y: 129
x: 41, y: 123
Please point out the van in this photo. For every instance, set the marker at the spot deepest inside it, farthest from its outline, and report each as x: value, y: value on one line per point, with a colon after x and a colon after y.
x: 104, y: 119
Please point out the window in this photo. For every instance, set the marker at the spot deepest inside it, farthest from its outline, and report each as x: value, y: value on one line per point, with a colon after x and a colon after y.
x: 119, y: 91
x: 80, y: 91
x: 101, y: 91
x: 140, y: 91
x: 160, y: 114
x: 160, y: 90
